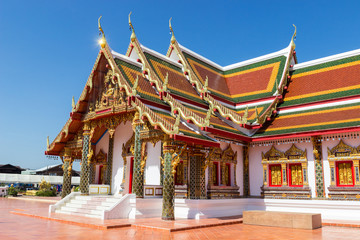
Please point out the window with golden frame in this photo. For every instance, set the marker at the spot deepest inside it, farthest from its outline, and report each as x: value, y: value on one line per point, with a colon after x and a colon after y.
x: 275, y: 175
x: 345, y: 174
x: 215, y: 174
x: 296, y: 175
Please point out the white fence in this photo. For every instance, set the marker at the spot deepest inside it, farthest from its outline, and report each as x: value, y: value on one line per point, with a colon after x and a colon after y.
x: 35, y: 179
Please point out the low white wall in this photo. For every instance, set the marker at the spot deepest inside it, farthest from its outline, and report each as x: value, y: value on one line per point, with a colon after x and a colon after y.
x: 329, y: 209
x: 121, y: 209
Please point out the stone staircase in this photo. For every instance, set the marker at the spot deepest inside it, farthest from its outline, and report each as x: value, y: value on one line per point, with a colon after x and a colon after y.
x: 88, y: 206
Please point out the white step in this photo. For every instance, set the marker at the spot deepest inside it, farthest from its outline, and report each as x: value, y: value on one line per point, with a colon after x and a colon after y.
x: 88, y: 206
x: 78, y: 214
x: 81, y: 210
x: 75, y: 205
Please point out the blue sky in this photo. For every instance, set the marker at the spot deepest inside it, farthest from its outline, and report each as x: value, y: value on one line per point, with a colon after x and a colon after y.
x: 48, y: 49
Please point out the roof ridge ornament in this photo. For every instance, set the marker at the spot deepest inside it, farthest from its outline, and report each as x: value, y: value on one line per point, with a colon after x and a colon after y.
x: 47, y: 142
x: 133, y: 36
x: 172, y: 32
x: 294, y: 36
x: 102, y: 41
x: 73, y: 103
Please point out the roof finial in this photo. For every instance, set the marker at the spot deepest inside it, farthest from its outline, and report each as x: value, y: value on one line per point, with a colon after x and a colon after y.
x: 294, y: 36
x: 166, y: 81
x: 172, y: 32
x: 133, y: 37
x: 102, y: 41
x: 73, y: 103
x: 47, y: 142
x: 256, y: 115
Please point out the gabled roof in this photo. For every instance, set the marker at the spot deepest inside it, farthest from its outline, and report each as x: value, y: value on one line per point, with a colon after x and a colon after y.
x: 336, y: 116
x: 238, y: 102
x: 244, y: 81
x: 325, y: 79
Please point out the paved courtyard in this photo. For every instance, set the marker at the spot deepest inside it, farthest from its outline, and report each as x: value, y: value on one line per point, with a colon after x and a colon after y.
x: 14, y: 226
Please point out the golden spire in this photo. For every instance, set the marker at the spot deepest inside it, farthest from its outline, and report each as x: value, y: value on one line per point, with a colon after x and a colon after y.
x: 294, y: 36
x: 257, y: 114
x: 166, y: 81
x: 134, y: 87
x: 206, y: 83
x: 102, y: 41
x: 133, y: 36
x: 172, y: 32
x: 73, y: 103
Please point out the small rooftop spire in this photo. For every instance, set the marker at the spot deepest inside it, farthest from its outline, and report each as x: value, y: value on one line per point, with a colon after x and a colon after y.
x: 133, y: 36
x: 294, y: 36
x: 172, y: 32
x: 102, y: 41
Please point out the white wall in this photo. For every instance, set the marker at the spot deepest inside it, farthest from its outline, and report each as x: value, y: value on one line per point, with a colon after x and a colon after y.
x: 256, y: 169
x: 239, y: 168
x: 152, y: 172
x: 123, y: 133
x: 332, y: 142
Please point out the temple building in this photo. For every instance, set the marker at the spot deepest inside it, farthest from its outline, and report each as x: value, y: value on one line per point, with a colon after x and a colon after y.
x: 179, y: 127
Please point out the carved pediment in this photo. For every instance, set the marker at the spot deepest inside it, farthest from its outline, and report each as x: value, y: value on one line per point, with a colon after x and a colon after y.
x: 107, y: 93
x: 295, y: 153
x: 273, y: 154
x: 215, y: 154
x: 342, y: 150
x: 101, y: 157
x: 229, y: 155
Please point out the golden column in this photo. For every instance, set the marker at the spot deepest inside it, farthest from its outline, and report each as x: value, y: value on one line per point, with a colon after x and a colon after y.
x: 138, y: 177
x: 84, y: 177
x: 305, y: 175
x: 168, y: 181
x: 284, y: 174
x: 265, y: 175
x: 67, y: 169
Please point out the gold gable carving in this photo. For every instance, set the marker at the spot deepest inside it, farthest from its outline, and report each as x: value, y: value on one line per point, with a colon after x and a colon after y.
x: 229, y: 155
x: 215, y: 154
x: 101, y: 157
x: 109, y: 95
x: 342, y: 150
x: 273, y: 154
x: 295, y: 153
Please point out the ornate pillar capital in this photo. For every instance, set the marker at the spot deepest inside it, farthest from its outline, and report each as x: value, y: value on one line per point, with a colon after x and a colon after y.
x: 86, y: 128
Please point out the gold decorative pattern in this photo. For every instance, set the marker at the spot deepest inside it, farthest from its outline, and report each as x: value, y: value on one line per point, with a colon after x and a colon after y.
x: 341, y: 150
x: 273, y: 154
x: 295, y: 153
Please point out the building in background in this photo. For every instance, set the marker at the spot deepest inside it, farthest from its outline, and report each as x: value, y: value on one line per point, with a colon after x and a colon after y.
x: 54, y: 170
x: 8, y: 168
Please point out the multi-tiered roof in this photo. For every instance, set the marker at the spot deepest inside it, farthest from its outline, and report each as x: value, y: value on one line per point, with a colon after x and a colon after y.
x: 195, y: 100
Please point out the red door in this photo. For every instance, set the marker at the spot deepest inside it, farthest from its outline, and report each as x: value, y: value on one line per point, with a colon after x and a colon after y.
x: 100, y: 174
x: 131, y: 174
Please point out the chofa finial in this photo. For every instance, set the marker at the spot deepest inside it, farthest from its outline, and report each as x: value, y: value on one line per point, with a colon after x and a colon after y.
x: 171, y: 29
x: 294, y: 35
x: 102, y: 41
x: 133, y: 37
x: 130, y: 24
x: 47, y: 142
x: 171, y: 32
x: 100, y: 28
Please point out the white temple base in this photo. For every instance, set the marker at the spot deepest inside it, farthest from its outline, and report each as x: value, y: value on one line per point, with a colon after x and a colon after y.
x: 198, y: 209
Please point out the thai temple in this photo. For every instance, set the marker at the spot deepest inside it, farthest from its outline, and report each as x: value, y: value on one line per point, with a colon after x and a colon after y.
x: 176, y: 135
